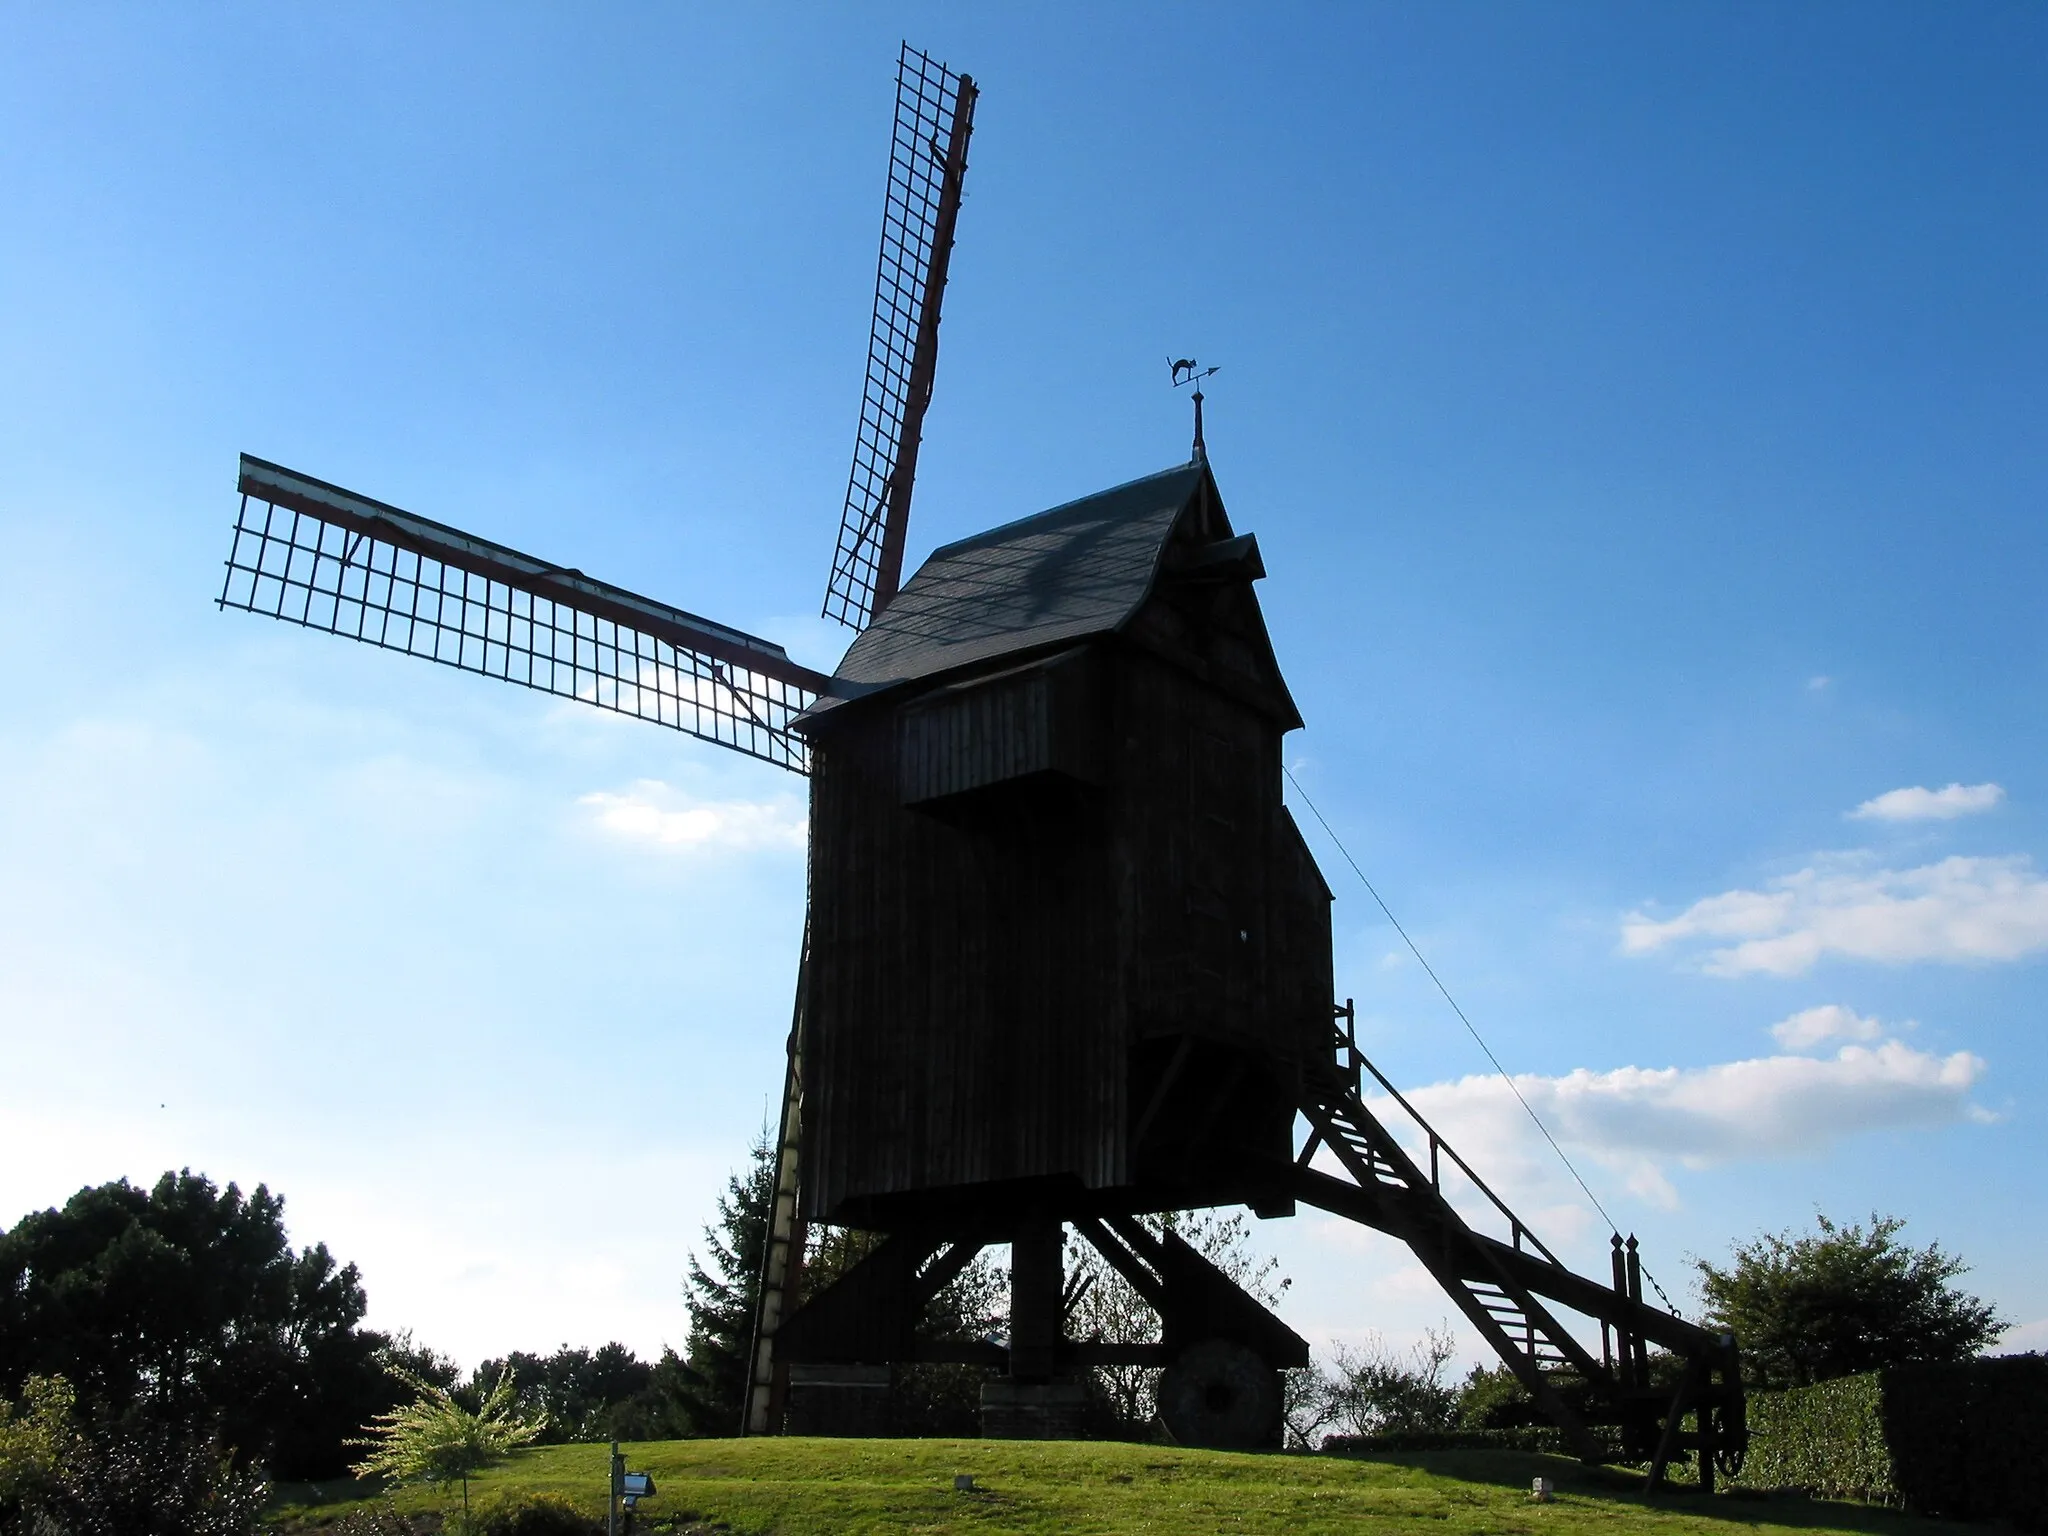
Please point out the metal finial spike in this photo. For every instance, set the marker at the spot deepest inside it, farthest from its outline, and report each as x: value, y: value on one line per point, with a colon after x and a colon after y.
x: 1186, y: 370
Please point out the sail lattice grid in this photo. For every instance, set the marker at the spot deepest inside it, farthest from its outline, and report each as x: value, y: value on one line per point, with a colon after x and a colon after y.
x: 320, y: 572
x: 928, y: 96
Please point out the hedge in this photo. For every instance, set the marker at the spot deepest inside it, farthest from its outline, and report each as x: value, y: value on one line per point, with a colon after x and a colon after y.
x: 1533, y: 1437
x: 1826, y: 1440
x: 1967, y: 1441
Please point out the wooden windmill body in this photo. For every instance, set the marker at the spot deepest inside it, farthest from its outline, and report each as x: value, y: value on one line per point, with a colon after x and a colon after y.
x: 1053, y: 886
x: 1067, y: 959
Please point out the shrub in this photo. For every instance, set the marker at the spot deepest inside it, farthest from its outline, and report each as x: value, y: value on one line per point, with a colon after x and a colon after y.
x: 1967, y: 1441
x: 1827, y: 1440
x: 535, y: 1514
x: 382, y: 1521
x: 1533, y: 1437
x: 1494, y: 1398
x: 151, y: 1479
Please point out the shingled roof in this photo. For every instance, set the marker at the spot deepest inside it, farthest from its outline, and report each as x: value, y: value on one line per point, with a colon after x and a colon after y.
x: 1078, y: 570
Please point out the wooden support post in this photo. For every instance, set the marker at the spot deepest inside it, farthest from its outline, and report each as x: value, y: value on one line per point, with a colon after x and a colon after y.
x: 1037, y: 1278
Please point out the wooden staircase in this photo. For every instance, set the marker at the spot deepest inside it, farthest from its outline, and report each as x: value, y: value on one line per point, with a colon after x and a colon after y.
x: 1515, y: 1291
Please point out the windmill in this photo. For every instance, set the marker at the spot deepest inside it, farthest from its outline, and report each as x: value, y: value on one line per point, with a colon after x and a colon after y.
x: 1067, y: 958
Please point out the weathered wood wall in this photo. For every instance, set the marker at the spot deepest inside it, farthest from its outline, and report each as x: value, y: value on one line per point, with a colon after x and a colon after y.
x: 1028, y: 889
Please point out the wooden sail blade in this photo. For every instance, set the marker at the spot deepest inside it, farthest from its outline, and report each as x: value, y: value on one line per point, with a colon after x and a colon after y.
x: 317, y: 555
x: 927, y: 166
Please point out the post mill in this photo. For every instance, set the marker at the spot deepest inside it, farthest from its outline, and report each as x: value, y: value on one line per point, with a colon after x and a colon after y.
x: 1067, y: 958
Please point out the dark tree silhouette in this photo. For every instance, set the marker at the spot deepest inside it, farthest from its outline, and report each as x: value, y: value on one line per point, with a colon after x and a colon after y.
x: 720, y: 1291
x: 1814, y: 1306
x: 187, y: 1304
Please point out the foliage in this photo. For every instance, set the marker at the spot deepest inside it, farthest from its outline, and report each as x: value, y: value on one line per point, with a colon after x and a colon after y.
x: 603, y: 1394
x: 1814, y: 1306
x: 435, y: 1438
x: 37, y: 1438
x: 1493, y: 1397
x: 399, y: 1356
x: 1826, y: 1439
x: 799, y: 1487
x: 1372, y: 1390
x: 722, y: 1297
x: 148, y: 1477
x: 534, y: 1514
x: 372, y: 1520
x: 1547, y: 1438
x: 1108, y: 1310
x: 186, y: 1302
x: 1967, y: 1440
x: 1971, y: 1440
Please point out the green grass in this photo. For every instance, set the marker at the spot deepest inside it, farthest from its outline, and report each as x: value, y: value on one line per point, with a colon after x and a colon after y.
x: 797, y: 1487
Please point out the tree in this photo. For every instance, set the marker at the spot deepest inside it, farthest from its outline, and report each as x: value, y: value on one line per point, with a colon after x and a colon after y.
x: 594, y: 1395
x: 1493, y: 1397
x: 1375, y: 1391
x: 1817, y: 1305
x: 722, y: 1298
x: 436, y: 1439
x: 188, y: 1303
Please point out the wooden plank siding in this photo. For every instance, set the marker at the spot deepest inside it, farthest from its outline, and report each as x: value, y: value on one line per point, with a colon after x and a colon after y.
x: 1054, y: 896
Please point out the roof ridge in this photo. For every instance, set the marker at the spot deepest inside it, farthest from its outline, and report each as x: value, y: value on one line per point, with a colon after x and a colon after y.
x: 1003, y: 529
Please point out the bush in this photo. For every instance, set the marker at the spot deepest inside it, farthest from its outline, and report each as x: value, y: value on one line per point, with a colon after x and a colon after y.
x: 1535, y: 1437
x: 1827, y: 1440
x: 535, y: 1514
x: 1494, y: 1398
x: 151, y: 1479
x: 1966, y: 1441
x: 384, y: 1521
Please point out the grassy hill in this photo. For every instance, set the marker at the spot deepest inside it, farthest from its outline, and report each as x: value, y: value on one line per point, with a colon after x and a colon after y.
x: 797, y: 1487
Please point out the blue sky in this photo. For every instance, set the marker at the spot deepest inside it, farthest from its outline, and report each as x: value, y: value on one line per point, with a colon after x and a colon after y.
x: 1639, y: 409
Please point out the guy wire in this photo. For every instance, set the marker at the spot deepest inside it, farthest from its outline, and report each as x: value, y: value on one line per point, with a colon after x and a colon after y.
x: 1534, y: 1118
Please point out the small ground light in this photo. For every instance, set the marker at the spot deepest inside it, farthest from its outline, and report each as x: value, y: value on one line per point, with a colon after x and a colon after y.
x: 963, y: 1482
x: 1540, y: 1491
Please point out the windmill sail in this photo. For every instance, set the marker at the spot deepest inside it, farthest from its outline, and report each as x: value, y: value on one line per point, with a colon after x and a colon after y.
x: 314, y: 554
x: 927, y: 164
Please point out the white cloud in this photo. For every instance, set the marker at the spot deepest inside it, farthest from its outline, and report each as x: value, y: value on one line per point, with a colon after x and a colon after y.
x: 1816, y: 1026
x: 1818, y: 684
x: 664, y: 817
x: 1919, y: 803
x: 1960, y: 909
x: 1637, y: 1122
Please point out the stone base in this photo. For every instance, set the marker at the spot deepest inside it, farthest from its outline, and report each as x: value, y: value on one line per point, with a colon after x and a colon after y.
x: 844, y: 1401
x: 1033, y: 1410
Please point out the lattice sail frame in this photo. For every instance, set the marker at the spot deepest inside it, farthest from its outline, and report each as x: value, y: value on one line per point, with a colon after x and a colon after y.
x: 927, y: 161
x: 314, y: 554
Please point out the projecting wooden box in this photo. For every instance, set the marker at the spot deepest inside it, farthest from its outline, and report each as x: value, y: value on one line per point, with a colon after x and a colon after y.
x: 1064, y: 935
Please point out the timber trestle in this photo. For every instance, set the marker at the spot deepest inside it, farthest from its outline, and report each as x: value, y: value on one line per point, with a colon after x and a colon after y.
x: 1513, y: 1291
x: 1220, y: 1349
x: 1670, y: 1388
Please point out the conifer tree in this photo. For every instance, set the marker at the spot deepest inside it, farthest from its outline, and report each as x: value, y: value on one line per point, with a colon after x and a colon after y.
x: 721, y: 1291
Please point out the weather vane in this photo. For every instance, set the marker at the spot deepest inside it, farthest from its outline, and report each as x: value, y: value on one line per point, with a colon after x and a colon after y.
x: 1187, y: 371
